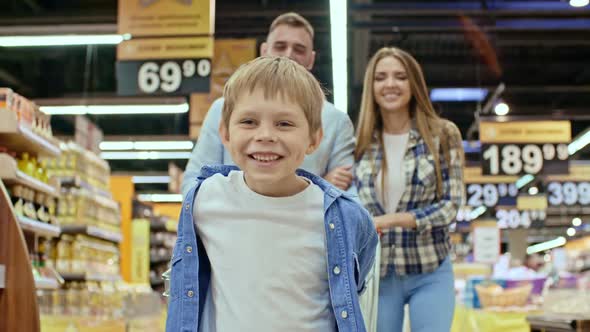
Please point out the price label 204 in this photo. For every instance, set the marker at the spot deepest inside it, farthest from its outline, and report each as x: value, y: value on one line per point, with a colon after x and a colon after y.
x: 168, y: 76
x: 513, y: 159
x: 519, y: 219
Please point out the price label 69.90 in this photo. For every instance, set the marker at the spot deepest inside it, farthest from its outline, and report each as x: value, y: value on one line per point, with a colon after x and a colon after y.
x: 517, y: 159
x: 163, y: 77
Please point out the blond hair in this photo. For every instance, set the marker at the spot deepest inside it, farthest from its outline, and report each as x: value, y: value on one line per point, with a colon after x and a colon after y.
x: 277, y: 77
x: 293, y: 20
x: 421, y: 110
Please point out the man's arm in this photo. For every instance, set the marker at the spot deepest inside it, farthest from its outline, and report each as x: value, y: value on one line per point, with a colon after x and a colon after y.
x: 341, y: 157
x: 208, y: 150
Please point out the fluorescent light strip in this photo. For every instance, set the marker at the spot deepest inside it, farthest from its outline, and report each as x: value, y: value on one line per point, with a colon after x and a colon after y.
x: 150, y: 179
x: 61, y: 40
x: 579, y: 143
x: 338, y: 37
x: 123, y: 145
x: 163, y: 145
x: 144, y: 155
x: 477, y: 212
x: 458, y: 94
x: 524, y: 180
x: 160, y: 198
x: 558, y: 242
x: 115, y: 109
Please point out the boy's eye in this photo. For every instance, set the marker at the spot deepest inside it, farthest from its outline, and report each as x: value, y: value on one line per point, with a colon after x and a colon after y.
x: 285, y: 124
x: 247, y: 121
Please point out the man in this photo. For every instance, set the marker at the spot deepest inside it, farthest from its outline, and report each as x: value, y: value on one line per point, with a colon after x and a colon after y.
x: 290, y: 35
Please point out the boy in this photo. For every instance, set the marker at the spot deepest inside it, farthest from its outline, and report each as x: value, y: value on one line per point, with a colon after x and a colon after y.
x: 268, y: 247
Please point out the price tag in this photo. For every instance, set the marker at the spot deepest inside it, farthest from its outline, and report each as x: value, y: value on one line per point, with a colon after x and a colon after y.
x: 525, y: 147
x: 491, y: 194
x: 486, y: 241
x: 514, y: 218
x: 164, y: 66
x: 568, y: 193
x: 516, y: 159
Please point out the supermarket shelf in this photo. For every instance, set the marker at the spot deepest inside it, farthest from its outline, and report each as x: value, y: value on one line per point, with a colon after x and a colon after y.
x: 76, y: 181
x: 89, y: 277
x: 92, y: 231
x: 10, y: 174
x: 37, y: 227
x: 21, y: 138
x: 46, y: 283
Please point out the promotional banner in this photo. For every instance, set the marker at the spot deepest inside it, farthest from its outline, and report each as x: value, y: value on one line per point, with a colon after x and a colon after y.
x: 166, y: 17
x: 229, y: 55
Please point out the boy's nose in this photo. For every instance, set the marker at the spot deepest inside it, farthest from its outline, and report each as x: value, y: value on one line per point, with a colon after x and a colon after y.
x: 266, y: 134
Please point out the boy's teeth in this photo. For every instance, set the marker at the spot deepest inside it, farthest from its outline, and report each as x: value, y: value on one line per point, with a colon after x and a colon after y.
x: 265, y: 158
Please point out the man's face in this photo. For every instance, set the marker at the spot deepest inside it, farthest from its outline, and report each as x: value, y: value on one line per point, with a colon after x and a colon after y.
x: 291, y: 42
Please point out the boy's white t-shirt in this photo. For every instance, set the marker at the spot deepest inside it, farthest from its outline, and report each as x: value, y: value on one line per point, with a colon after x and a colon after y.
x: 268, y: 258
x: 395, y: 180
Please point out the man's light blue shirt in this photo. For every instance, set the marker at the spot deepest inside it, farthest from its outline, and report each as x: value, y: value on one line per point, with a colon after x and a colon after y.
x: 336, y: 148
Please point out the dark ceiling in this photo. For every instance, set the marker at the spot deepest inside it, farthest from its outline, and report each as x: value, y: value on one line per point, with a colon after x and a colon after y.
x: 539, y: 50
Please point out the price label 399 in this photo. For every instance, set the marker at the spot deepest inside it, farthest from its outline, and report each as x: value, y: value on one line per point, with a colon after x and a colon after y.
x: 517, y: 159
x: 163, y: 77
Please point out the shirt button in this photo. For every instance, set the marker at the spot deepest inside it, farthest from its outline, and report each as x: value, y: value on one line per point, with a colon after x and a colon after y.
x: 344, y: 314
x: 189, y: 249
x: 336, y: 270
x: 190, y: 293
x: 187, y: 206
x: 332, y: 226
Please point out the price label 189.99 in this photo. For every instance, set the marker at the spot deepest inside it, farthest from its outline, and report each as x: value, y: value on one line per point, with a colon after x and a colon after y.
x: 517, y: 159
x: 163, y: 77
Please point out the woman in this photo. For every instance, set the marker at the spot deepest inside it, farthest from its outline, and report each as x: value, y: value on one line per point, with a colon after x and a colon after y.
x: 409, y: 176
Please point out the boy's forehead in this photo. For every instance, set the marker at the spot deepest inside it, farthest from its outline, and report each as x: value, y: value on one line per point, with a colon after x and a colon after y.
x: 252, y: 100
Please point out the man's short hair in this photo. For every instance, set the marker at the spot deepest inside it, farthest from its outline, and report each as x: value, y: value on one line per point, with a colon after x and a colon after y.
x: 277, y: 77
x: 293, y: 20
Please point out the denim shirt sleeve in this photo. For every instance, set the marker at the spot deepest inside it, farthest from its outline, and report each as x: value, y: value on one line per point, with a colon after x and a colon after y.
x: 208, y: 150
x: 367, y: 241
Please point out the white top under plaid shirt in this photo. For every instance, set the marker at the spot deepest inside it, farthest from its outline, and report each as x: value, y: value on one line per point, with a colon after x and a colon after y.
x: 420, y: 250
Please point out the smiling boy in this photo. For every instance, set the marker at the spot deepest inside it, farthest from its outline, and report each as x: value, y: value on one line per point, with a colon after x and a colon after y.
x: 266, y: 246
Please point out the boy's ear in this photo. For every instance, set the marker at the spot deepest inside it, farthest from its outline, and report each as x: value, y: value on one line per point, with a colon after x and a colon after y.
x: 316, y: 139
x: 223, y: 133
x: 264, y: 49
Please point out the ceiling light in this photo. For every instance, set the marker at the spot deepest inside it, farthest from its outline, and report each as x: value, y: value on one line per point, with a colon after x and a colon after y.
x: 579, y: 143
x: 458, y: 94
x: 579, y: 3
x: 160, y: 198
x: 533, y: 190
x: 338, y: 38
x: 571, y: 231
x: 150, y: 179
x: 524, y: 180
x: 501, y: 109
x: 115, y: 109
x: 546, y: 245
x: 61, y: 40
x: 144, y: 155
x: 576, y: 222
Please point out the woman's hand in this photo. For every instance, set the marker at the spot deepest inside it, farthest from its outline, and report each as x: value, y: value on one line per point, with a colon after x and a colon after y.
x: 402, y: 219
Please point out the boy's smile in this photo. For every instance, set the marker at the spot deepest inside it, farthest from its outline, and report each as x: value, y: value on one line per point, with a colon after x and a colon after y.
x: 268, y: 138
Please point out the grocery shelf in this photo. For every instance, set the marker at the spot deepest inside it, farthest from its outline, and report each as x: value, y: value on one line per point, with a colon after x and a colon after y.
x: 76, y: 181
x: 10, y: 174
x: 37, y: 227
x: 46, y: 283
x: 93, y: 232
x: 20, y: 138
x: 155, y: 282
x: 89, y: 277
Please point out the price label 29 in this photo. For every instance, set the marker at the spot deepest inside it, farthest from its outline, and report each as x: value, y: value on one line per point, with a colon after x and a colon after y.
x: 516, y: 159
x: 490, y: 195
x: 163, y: 77
x: 568, y: 193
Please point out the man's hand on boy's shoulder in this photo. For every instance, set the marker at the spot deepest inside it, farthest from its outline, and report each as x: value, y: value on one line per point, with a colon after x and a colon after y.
x: 340, y: 177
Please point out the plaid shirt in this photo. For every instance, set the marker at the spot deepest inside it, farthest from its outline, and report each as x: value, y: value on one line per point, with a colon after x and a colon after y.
x: 420, y: 250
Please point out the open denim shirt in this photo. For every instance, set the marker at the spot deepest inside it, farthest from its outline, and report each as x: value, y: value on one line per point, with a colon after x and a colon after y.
x: 351, y: 240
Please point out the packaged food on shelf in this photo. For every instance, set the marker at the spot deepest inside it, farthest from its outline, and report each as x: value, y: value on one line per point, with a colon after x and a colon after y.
x: 27, y: 112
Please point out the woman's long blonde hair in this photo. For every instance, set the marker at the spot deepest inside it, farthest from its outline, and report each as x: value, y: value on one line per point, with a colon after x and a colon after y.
x: 421, y: 110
